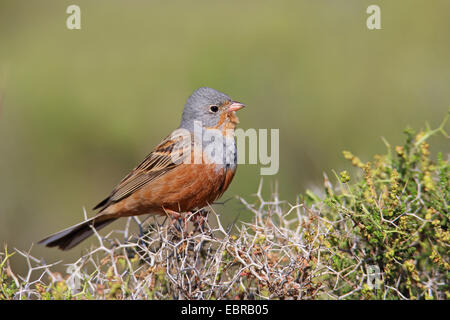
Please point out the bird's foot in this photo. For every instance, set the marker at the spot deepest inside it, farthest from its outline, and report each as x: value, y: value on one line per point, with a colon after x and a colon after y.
x: 199, y: 218
x: 179, y: 218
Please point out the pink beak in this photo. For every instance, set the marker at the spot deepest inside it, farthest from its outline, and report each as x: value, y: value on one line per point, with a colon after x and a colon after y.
x: 235, y: 106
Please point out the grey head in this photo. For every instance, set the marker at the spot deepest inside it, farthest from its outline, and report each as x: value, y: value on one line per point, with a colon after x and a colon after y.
x: 205, y: 105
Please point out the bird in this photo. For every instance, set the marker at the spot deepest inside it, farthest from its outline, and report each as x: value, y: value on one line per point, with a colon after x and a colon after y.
x: 189, y: 169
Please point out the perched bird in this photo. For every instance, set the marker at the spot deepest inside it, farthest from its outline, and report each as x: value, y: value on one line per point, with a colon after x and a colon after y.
x: 177, y: 176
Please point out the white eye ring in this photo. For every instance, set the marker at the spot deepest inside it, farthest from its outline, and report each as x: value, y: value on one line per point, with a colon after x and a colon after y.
x: 213, y: 108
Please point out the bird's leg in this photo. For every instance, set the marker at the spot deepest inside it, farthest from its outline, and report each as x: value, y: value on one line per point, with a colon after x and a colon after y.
x: 199, y: 218
x: 173, y: 214
x: 178, y: 216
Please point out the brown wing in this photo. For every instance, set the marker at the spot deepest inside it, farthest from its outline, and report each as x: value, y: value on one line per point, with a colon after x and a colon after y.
x: 166, y: 156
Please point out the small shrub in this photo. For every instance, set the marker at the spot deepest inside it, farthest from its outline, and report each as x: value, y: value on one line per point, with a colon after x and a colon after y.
x: 393, y: 220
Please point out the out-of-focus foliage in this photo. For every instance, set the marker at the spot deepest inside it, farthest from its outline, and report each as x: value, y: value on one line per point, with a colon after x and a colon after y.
x: 381, y: 235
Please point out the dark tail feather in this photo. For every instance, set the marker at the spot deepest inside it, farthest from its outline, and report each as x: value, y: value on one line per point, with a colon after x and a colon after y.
x: 70, y: 237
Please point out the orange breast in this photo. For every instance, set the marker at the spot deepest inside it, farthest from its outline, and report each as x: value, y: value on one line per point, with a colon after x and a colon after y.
x: 184, y: 188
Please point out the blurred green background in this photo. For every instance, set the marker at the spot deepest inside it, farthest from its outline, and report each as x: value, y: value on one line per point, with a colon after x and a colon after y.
x: 80, y: 108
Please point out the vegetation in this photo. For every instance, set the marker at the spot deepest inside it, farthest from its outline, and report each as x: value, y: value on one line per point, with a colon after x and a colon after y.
x: 379, y: 233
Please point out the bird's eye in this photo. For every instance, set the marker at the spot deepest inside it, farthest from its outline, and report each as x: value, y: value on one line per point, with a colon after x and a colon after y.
x: 214, y: 109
